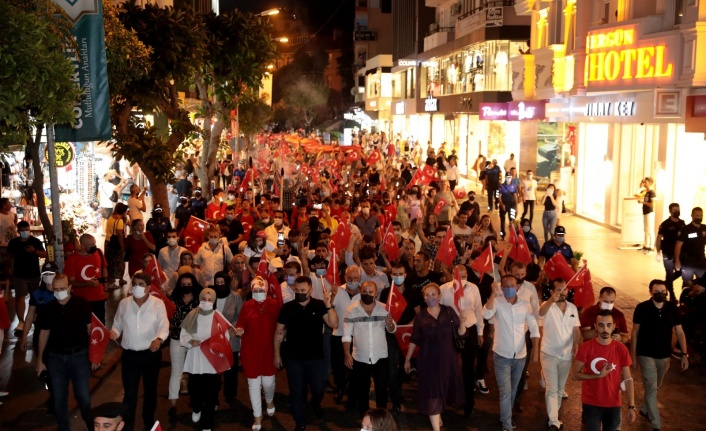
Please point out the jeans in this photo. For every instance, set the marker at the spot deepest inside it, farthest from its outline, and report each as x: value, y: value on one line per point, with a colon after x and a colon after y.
x: 492, y: 196
x: 360, y: 376
x: 594, y: 417
x: 203, y: 391
x: 340, y: 371
x: 653, y: 372
x: 230, y: 381
x: 140, y: 364
x: 521, y: 384
x: 452, y: 184
x: 507, y: 374
x: 300, y: 373
x: 669, y: 277
x: 177, y: 354
x: 688, y: 272
x: 255, y: 387
x: 484, y: 351
x: 549, y: 224
x: 528, y: 204
x: 75, y: 368
x: 649, y: 223
x: 468, y: 364
x: 555, y: 371
x: 511, y: 212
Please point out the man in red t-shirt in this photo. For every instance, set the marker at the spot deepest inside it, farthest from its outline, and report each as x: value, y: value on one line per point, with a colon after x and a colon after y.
x: 603, y: 366
x: 216, y: 210
x: 87, y: 270
x: 606, y: 301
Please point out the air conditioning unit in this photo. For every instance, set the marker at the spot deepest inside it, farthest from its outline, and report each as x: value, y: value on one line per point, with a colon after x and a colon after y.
x: 456, y: 9
x: 433, y: 27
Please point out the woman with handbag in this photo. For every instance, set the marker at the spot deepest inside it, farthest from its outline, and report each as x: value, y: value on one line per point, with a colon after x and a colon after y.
x: 115, y: 244
x: 437, y: 330
x: 137, y: 244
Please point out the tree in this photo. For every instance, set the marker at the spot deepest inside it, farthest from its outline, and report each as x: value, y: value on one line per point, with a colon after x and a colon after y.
x: 306, y: 97
x: 239, y: 49
x: 254, y: 114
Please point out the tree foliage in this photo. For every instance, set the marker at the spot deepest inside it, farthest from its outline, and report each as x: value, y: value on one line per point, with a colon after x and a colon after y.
x: 306, y: 98
x: 35, y: 76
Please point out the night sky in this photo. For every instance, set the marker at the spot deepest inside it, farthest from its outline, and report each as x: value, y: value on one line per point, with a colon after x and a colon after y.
x: 313, y: 12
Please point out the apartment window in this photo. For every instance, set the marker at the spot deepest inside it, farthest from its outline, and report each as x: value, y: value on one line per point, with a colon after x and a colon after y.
x: 374, y: 4
x: 678, y: 12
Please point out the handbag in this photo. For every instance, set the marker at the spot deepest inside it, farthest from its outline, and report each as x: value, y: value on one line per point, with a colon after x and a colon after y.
x: 114, y: 197
x: 114, y: 242
x: 459, y: 343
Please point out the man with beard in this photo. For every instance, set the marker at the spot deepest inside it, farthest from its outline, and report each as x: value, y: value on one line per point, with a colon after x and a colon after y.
x: 665, y: 243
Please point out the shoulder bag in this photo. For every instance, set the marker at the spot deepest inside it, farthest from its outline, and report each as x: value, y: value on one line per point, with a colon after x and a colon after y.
x: 459, y: 343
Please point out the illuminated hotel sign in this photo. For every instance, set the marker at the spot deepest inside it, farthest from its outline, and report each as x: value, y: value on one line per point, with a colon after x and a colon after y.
x: 431, y: 104
x: 608, y: 109
x: 618, y: 57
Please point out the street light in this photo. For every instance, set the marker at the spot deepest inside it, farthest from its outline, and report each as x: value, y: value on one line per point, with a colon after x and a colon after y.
x: 268, y: 12
x: 283, y: 39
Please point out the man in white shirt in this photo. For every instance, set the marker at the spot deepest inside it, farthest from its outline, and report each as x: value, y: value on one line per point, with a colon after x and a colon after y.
x: 368, y: 270
x: 213, y: 256
x: 344, y: 296
x: 142, y: 321
x: 529, y: 195
x: 364, y: 325
x: 472, y: 305
x: 560, y: 342
x: 170, y: 255
x: 512, y: 315
x: 292, y: 270
x: 510, y: 163
x: 273, y: 231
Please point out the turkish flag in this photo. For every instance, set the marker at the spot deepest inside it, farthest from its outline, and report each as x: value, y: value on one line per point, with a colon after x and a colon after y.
x: 390, y: 244
x: 352, y: 156
x: 247, y: 221
x: 373, y: 158
x: 556, y: 267
x: 193, y: 234
x: 484, y: 262
x: 458, y: 288
x: 168, y: 304
x: 342, y: 236
x: 519, y: 251
x: 460, y: 193
x: 396, y: 303
x: 155, y: 272
x: 332, y: 274
x: 217, y: 348
x: 447, y: 251
x: 274, y: 288
x: 156, y: 427
x: 100, y: 336
x: 583, y: 287
x: 263, y: 267
x: 440, y: 206
x: 403, y: 334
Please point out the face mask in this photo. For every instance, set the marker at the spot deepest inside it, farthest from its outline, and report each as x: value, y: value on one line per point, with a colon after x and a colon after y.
x: 606, y: 306
x: 206, y: 306
x: 659, y: 297
x: 508, y: 180
x: 352, y: 285
x: 676, y: 214
x: 24, y: 234
x: 172, y: 241
x: 529, y: 176
x: 230, y: 218
x: 366, y: 211
x: 61, y: 295
x: 259, y: 296
x: 550, y: 190
x: 432, y: 302
x: 301, y: 297
x: 48, y: 278
x: 320, y: 272
x: 509, y: 292
x: 559, y: 239
x: 398, y: 279
x: 92, y: 249
x: 278, y: 222
x: 291, y: 279
x: 367, y: 299
x: 231, y: 197
x: 187, y: 289
x: 697, y: 220
x: 213, y: 242
x: 198, y: 195
x: 138, y: 291
x: 525, y: 229
x: 472, y: 198
x: 520, y: 281
x: 266, y: 220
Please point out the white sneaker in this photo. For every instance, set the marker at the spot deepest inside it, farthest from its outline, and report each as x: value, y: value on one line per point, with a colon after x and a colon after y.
x: 195, y: 417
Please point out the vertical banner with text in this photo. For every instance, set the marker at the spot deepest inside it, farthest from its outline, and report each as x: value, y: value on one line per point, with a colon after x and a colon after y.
x: 92, y: 112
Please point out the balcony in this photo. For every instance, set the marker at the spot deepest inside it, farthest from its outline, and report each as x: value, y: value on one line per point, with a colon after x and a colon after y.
x: 364, y: 35
x: 438, y: 36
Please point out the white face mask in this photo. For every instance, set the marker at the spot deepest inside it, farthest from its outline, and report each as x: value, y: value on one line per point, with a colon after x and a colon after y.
x: 61, y: 295
x: 48, y: 278
x: 206, y: 306
x: 278, y: 222
x: 259, y: 296
x: 172, y: 241
x: 366, y: 211
x: 139, y: 291
x: 606, y: 306
x: 213, y: 242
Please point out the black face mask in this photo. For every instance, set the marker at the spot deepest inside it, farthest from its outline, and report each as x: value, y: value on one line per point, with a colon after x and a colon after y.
x: 659, y: 297
x: 92, y: 249
x: 697, y: 220
x: 222, y: 291
x: 187, y: 289
x: 472, y: 198
x: 301, y: 297
x: 676, y: 214
x: 367, y: 299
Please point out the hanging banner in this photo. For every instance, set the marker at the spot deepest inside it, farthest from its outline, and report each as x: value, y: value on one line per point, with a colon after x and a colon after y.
x: 92, y: 112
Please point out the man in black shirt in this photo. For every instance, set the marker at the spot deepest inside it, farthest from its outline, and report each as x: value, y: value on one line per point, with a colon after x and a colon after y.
x: 422, y: 274
x: 65, y: 327
x: 25, y: 251
x: 182, y: 213
x: 303, y: 320
x: 654, y: 321
x: 183, y: 186
x: 158, y: 226
x: 648, y: 213
x: 235, y: 229
x: 666, y: 240
x: 689, y: 258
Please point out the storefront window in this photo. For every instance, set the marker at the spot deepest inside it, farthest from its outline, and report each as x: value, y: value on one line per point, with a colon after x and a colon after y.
x: 480, y: 67
x: 596, y: 170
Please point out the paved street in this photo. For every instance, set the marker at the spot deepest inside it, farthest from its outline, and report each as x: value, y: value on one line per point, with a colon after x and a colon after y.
x: 683, y: 400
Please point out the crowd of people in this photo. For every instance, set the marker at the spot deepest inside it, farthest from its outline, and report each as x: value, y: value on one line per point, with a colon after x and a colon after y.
x: 348, y: 235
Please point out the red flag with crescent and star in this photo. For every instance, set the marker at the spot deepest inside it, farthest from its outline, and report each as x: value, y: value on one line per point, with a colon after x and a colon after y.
x: 154, y: 270
x: 342, y: 236
x: 273, y: 287
x: 520, y: 250
x: 484, y: 262
x: 440, y: 206
x: 193, y: 234
x: 424, y: 175
x: 447, y: 251
x: 403, y: 335
x: 100, y: 336
x: 460, y: 192
x: 373, y: 158
x: 168, y: 304
x: 458, y: 288
x: 217, y: 348
x: 392, y: 249
x: 556, y: 267
x: 582, y: 286
x: 396, y: 303
x: 332, y: 273
x: 352, y: 156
